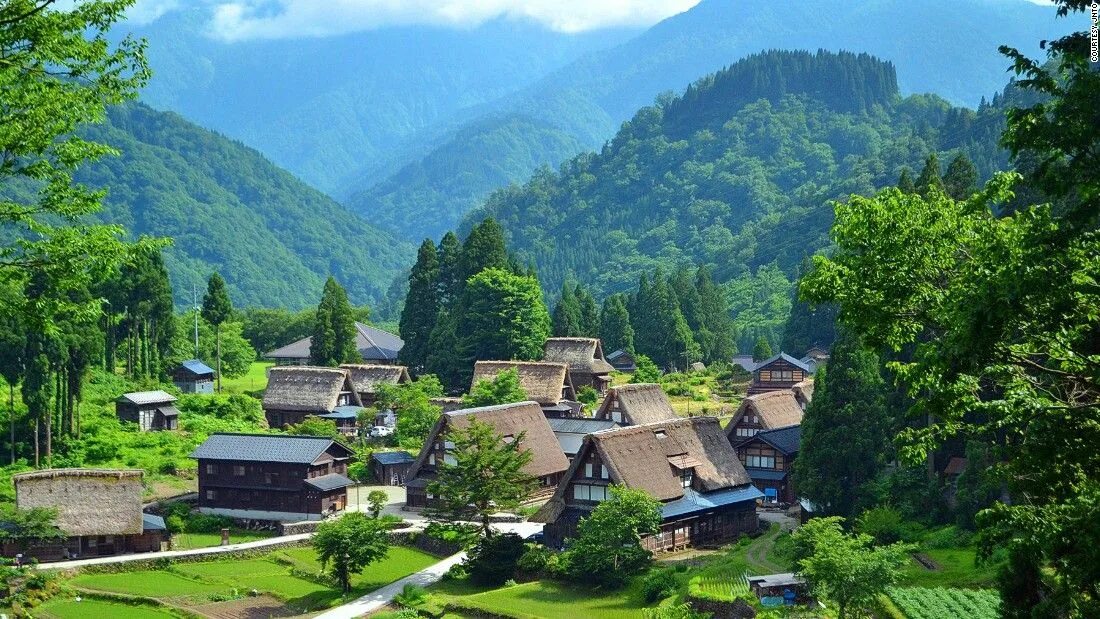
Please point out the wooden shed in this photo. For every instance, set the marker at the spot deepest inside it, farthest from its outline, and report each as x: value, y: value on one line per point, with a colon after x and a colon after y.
x: 391, y: 468
x: 151, y: 410
x: 193, y: 376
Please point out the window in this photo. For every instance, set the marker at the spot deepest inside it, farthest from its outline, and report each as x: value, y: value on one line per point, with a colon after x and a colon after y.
x: 588, y: 469
x: 747, y: 431
x: 211, y: 495
x: 271, y: 478
x: 211, y: 469
x: 431, y: 458
x: 448, y: 445
x: 616, y: 416
x: 603, y: 472
x: 586, y: 492
x: 761, y: 462
x: 660, y: 434
x: 449, y: 459
x: 238, y: 470
x: 686, y: 475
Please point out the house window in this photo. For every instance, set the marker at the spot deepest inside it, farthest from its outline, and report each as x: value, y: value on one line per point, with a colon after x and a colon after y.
x: 238, y: 470
x: 588, y: 469
x: 211, y: 495
x: 686, y: 475
x: 747, y: 431
x: 211, y: 469
x: 449, y: 459
x: 431, y: 458
x: 761, y: 462
x: 448, y: 444
x: 603, y: 472
x: 586, y: 492
x: 660, y: 433
x: 616, y: 416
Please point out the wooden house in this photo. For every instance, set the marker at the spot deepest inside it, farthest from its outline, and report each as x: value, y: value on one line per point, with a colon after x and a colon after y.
x: 764, y: 411
x: 622, y: 361
x: 151, y: 410
x: 768, y: 457
x: 548, y: 462
x: 815, y: 357
x: 272, y: 477
x: 366, y: 378
x: 543, y: 381
x: 294, y: 393
x: 635, y: 404
x: 193, y: 376
x: 584, y: 356
x: 99, y: 510
x: 706, y: 496
x: 375, y: 346
x: 346, y: 419
x: 570, y: 431
x: 804, y: 392
x: 778, y: 373
x: 391, y: 468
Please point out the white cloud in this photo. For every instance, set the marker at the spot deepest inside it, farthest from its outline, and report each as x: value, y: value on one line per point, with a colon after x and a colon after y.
x: 147, y: 11
x: 271, y: 19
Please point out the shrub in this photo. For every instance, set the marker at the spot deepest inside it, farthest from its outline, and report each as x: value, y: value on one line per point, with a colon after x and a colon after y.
x: 587, y: 395
x: 459, y: 534
x: 884, y: 523
x: 456, y: 572
x: 204, y: 523
x: 493, y: 560
x: 534, y: 560
x: 658, y: 584
x: 174, y: 524
x: 411, y: 596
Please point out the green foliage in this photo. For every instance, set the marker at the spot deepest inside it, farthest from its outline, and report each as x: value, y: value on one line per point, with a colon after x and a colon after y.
x: 616, y: 332
x: 661, y: 331
x: 566, y: 319
x: 483, y: 249
x: 761, y: 350
x: 206, y: 414
x: 658, y: 585
x: 237, y: 355
x: 504, y: 388
x: 376, y: 499
x: 216, y: 306
x: 934, y: 603
x: 415, y: 413
x: 608, y: 548
x: 588, y: 396
x: 334, y: 331
x: 487, y: 475
x: 682, y: 611
x: 348, y: 544
x: 315, y: 426
x: 930, y: 178
x: 535, y: 560
x: 268, y: 329
x: 646, y: 372
x: 961, y: 179
x: 884, y: 524
x: 411, y: 596
x: 421, y: 308
x: 24, y: 526
x: 494, y: 559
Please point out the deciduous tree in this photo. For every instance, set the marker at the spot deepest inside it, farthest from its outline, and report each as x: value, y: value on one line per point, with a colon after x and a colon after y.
x: 607, y: 549
x: 348, y: 544
x: 504, y: 388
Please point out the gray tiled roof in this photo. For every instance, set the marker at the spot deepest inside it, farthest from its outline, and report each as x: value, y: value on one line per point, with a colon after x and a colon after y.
x: 372, y: 343
x: 786, y: 440
x: 264, y: 448
x: 789, y: 359
x: 579, y: 426
x: 331, y: 481
x: 392, y: 457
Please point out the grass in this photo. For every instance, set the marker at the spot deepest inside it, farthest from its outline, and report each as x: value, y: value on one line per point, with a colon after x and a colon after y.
x: 187, y: 541
x: 958, y: 569
x: 101, y: 609
x: 255, y: 380
x: 545, y: 599
x: 151, y: 584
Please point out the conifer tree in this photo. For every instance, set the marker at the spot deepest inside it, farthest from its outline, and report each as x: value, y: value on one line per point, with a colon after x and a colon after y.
x: 808, y: 325
x: 483, y: 249
x: 930, y: 176
x: 716, y: 333
x: 566, y: 321
x: 589, y: 313
x: 961, y: 178
x: 421, y: 307
x: 333, y: 340
x: 661, y: 332
x: 444, y: 359
x: 616, y: 331
x: 450, y: 252
x: 762, y: 350
x: 687, y: 296
x: 905, y: 181
x: 216, y: 309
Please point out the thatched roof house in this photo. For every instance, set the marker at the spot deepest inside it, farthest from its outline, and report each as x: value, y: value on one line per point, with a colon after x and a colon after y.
x: 764, y: 411
x: 88, y: 501
x: 686, y: 464
x: 545, y: 382
x: 584, y: 356
x: 636, y: 404
x: 804, y: 392
x: 374, y: 346
x: 366, y: 378
x: 295, y: 392
x: 548, y: 462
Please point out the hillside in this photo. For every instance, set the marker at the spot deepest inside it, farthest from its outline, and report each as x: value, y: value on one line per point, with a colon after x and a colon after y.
x: 589, y: 99
x: 737, y: 172
x: 229, y: 209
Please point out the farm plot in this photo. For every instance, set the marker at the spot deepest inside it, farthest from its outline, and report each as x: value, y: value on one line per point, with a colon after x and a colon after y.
x: 944, y: 603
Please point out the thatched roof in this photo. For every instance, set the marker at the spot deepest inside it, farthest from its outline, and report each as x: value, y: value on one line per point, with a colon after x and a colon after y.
x: 645, y: 458
x: 506, y: 420
x: 776, y: 409
x: 367, y: 377
x: 372, y: 343
x: 640, y: 403
x: 542, y: 381
x: 88, y: 501
x: 804, y: 392
x: 583, y: 355
x: 307, y: 389
x: 448, y: 404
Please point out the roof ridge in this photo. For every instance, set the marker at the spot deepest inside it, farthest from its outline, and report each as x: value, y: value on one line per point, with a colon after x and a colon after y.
x: 362, y: 329
x: 268, y: 435
x: 492, y: 407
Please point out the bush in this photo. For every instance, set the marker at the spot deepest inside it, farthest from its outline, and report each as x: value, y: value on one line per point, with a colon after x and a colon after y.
x: 587, y: 395
x: 493, y: 560
x: 411, y: 596
x: 884, y: 523
x: 203, y: 523
x: 174, y: 524
x: 658, y: 585
x: 947, y: 537
x: 534, y: 560
x: 456, y: 572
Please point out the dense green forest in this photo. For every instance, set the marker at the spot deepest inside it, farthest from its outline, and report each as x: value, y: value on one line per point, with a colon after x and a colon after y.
x: 228, y: 209
x: 738, y: 173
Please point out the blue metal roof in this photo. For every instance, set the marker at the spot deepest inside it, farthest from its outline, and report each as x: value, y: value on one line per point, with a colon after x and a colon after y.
x: 149, y: 522
x: 332, y: 481
x: 766, y: 474
x: 693, y: 501
x: 392, y: 457
x: 196, y: 367
x: 343, y: 412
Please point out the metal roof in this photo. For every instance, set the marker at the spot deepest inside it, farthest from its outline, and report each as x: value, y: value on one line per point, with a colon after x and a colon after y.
x: 197, y: 367
x: 766, y: 474
x: 694, y: 501
x: 343, y: 412
x: 332, y: 481
x: 149, y: 522
x: 786, y: 440
x: 264, y: 448
x: 566, y: 425
x: 372, y: 343
x: 789, y: 359
x: 392, y: 457
x: 147, y: 397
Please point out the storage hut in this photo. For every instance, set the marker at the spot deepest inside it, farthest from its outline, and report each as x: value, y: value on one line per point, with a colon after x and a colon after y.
x: 193, y: 376
x: 151, y: 410
x: 391, y: 468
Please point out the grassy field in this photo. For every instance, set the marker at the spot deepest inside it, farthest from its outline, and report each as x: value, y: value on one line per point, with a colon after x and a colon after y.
x: 550, y: 600
x: 958, y: 569
x: 151, y: 584
x: 255, y: 380
x: 186, y: 541
x: 100, y: 609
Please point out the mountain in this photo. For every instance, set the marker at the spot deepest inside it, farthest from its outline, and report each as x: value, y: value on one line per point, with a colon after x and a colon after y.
x: 947, y: 47
x: 737, y: 172
x: 272, y: 237
x: 327, y: 107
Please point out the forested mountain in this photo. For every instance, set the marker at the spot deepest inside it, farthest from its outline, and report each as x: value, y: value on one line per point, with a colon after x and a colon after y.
x: 591, y: 97
x: 737, y: 173
x: 273, y: 238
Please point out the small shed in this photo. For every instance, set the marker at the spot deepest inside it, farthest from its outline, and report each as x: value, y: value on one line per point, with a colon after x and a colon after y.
x: 391, y: 468
x: 346, y: 418
x: 193, y: 376
x: 151, y: 410
x: 779, y: 589
x: 622, y: 361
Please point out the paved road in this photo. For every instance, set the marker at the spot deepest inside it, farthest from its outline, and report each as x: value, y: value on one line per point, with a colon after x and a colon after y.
x: 168, y: 554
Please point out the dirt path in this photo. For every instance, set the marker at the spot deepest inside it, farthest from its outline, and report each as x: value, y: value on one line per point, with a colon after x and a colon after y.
x: 757, y: 553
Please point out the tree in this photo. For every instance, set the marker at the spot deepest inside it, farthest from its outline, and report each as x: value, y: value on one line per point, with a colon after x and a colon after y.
x: 616, y: 333
x: 930, y: 178
x: 13, y: 345
x: 450, y: 282
x: 411, y: 403
x: 492, y: 561
x: 661, y: 332
x: 27, y: 526
x: 844, y: 431
x: 762, y: 350
x: 645, y: 370
x: 846, y: 569
x: 715, y: 333
x: 608, y: 548
x: 333, y: 340
x: 348, y: 544
x: 961, y: 179
x: 237, y: 354
x: 482, y: 249
x: 216, y: 309
x: 905, y: 181
x: 376, y: 499
x: 315, y: 426
x: 487, y: 475
x: 504, y: 388
x: 589, y: 313
x: 445, y: 358
x: 421, y: 308
x: 566, y: 320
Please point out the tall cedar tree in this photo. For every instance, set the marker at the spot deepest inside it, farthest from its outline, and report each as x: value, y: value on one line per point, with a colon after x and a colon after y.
x: 930, y: 177
x: 444, y: 359
x: 661, y: 332
x: 808, y: 325
x: 589, y: 313
x: 216, y: 309
x: 715, y: 334
x: 333, y: 340
x: 450, y: 252
x: 487, y: 475
x: 905, y: 181
x: 482, y: 249
x: 616, y: 332
x: 961, y: 179
x: 421, y: 307
x: 566, y: 321
x: 13, y: 344
x: 762, y: 349
x: 844, y: 431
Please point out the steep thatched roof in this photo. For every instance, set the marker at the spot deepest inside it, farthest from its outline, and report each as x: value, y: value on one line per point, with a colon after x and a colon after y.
x: 804, y: 392
x: 583, y: 355
x: 372, y: 343
x: 639, y: 403
x: 88, y: 501
x: 367, y: 377
x: 776, y: 409
x: 544, y: 382
x: 646, y: 457
x: 506, y: 420
x: 448, y: 404
x: 307, y: 389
